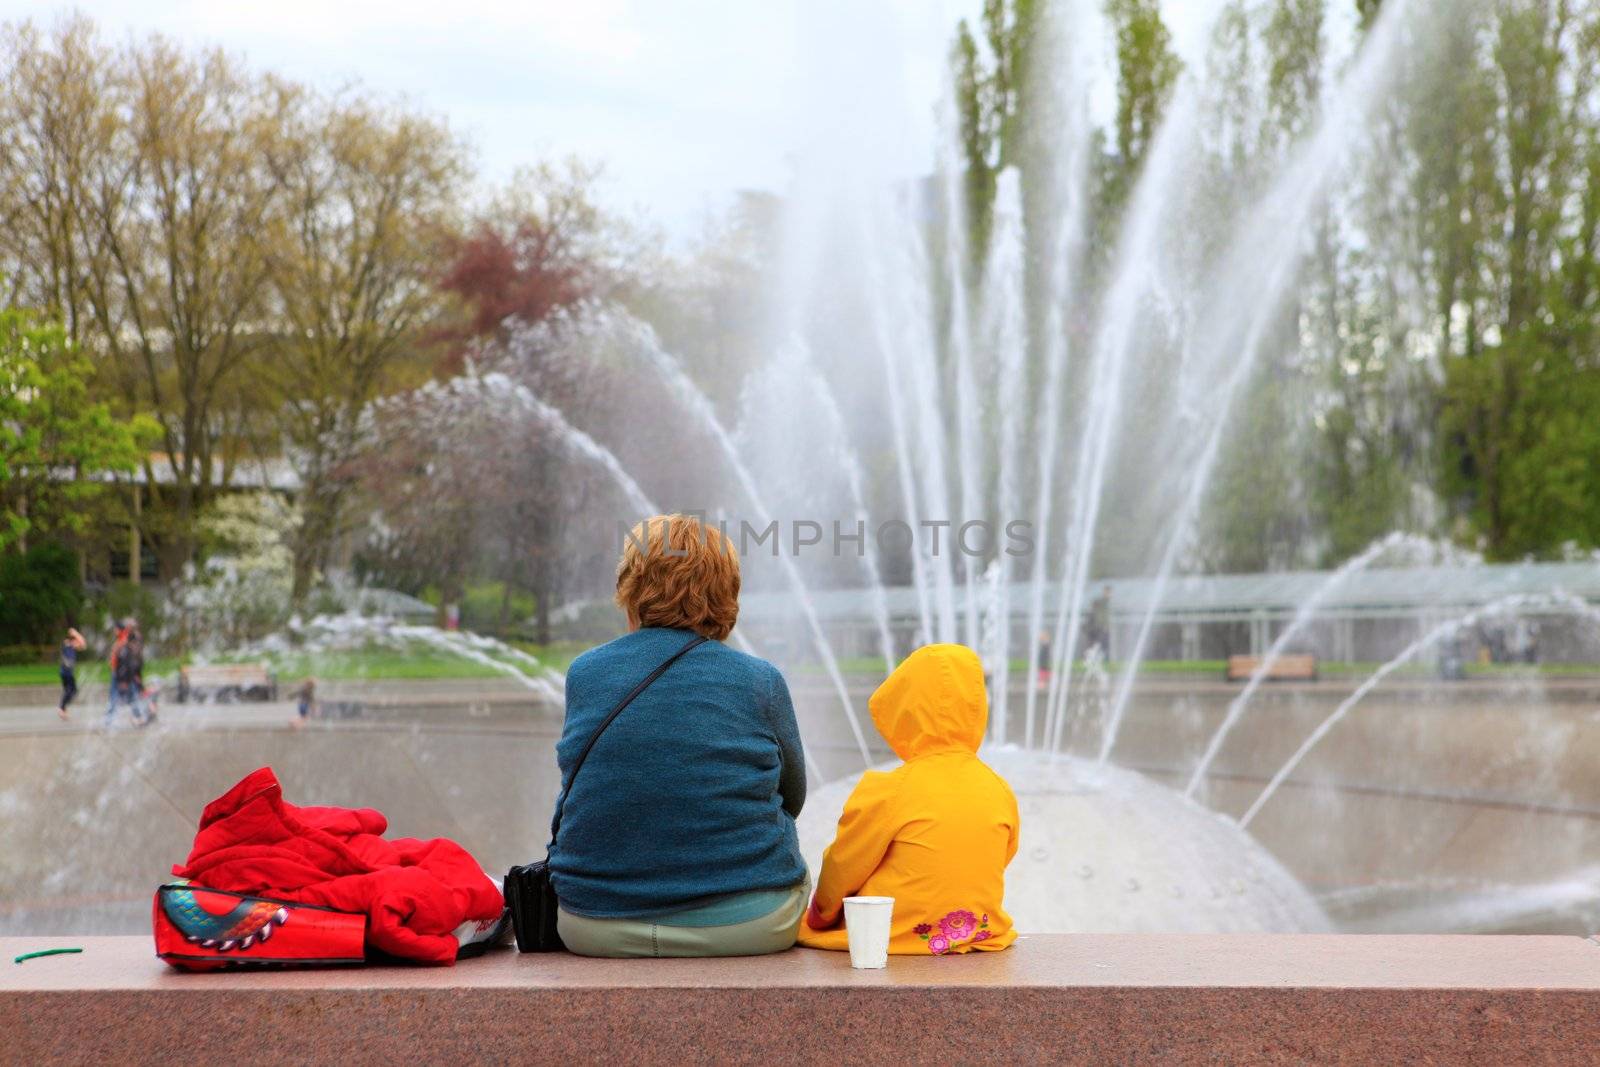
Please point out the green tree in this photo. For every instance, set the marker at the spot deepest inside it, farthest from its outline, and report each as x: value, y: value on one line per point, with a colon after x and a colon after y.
x: 56, y: 445
x: 1516, y: 298
x: 178, y: 281
x: 244, y: 260
x: 1147, y: 71
x: 1293, y: 40
x: 39, y: 593
x: 991, y: 85
x: 352, y: 252
x: 56, y: 122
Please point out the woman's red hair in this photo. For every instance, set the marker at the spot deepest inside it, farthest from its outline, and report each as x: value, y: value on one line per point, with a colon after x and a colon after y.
x: 679, y: 572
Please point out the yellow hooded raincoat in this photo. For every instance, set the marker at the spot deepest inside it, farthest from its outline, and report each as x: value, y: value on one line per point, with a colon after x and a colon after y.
x: 935, y: 833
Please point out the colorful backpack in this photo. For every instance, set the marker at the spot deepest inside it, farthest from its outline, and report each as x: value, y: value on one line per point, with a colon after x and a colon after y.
x: 200, y: 929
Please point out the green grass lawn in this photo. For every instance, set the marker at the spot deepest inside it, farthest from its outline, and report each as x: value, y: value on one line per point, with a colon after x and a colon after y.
x: 374, y: 663
x: 47, y: 673
x: 429, y: 663
x: 422, y: 663
x: 378, y: 663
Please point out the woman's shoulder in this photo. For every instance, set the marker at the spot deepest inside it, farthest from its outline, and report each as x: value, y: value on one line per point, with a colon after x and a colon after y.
x: 593, y: 659
x: 611, y: 660
x: 763, y: 677
x: 649, y: 646
x: 749, y: 663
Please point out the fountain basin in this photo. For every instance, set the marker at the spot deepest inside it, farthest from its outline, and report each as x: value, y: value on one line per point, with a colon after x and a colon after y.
x: 1107, y: 850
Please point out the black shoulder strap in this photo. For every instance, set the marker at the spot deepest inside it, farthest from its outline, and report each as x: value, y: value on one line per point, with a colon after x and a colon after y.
x: 623, y: 703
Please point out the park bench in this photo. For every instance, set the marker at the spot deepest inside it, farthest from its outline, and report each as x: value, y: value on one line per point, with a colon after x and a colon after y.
x: 1289, y: 667
x: 227, y: 682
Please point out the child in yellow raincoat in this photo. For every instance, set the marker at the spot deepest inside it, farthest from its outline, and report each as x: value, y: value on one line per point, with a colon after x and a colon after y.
x: 935, y: 833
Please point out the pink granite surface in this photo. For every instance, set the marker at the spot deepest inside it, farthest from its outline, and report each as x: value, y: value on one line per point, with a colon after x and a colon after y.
x: 1051, y: 999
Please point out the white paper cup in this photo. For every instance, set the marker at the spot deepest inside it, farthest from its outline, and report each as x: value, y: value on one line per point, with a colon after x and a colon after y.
x: 866, y: 924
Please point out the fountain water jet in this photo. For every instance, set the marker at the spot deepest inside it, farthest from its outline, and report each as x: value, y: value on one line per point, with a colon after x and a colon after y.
x: 323, y: 633
x: 959, y: 341
x: 855, y: 481
x: 927, y: 410
x: 1110, y: 363
x: 1004, y: 318
x: 1273, y: 236
x: 1063, y: 44
x: 884, y: 341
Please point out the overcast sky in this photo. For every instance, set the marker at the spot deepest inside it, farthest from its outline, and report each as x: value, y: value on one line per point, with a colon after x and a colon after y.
x: 683, y: 101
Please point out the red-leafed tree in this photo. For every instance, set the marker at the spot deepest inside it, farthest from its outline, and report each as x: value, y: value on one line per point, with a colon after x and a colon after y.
x: 520, y: 273
x: 540, y: 245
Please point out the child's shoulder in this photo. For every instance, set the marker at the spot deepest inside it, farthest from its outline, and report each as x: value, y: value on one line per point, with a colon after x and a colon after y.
x: 878, y: 785
x: 969, y: 769
x: 994, y: 775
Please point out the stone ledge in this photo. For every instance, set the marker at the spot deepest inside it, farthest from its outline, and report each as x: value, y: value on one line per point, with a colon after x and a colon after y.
x: 1052, y: 998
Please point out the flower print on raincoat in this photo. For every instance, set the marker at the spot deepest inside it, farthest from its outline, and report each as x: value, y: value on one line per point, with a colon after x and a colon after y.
x: 936, y: 832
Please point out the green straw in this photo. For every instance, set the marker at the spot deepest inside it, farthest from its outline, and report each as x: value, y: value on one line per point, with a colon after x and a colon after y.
x: 45, y: 952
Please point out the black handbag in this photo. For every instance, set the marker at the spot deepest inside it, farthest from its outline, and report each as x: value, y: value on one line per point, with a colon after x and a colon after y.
x: 528, y: 891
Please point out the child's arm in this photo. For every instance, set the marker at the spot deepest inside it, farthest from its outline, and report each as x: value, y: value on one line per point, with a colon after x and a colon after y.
x: 866, y: 829
x: 1016, y: 828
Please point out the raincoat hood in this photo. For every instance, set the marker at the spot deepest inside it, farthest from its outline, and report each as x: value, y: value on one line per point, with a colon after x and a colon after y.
x: 934, y: 701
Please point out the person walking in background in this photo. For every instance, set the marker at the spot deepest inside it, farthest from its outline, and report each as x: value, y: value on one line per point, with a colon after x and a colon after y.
x: 1100, y: 622
x: 144, y: 697
x: 306, y: 697
x: 118, y: 640
x: 69, y: 669
x: 127, y: 674
x: 151, y: 692
x: 1045, y: 662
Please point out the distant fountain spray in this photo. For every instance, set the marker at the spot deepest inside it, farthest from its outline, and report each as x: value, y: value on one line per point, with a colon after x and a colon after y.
x: 1303, y: 616
x: 1515, y: 602
x: 692, y: 397
x: 855, y: 480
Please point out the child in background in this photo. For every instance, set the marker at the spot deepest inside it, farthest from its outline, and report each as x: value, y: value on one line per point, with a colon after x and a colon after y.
x: 151, y: 692
x: 935, y: 833
x: 69, y: 669
x: 306, y: 701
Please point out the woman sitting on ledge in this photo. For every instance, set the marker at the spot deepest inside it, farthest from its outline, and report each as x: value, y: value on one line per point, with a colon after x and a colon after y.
x: 678, y: 838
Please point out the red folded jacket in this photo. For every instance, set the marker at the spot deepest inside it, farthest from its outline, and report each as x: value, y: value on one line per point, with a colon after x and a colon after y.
x: 414, y: 893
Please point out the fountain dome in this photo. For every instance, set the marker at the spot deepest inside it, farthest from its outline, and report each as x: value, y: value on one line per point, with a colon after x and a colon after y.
x: 1105, y: 849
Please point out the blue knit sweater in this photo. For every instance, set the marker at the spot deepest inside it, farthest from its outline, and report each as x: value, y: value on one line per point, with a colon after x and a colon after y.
x: 691, y: 794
